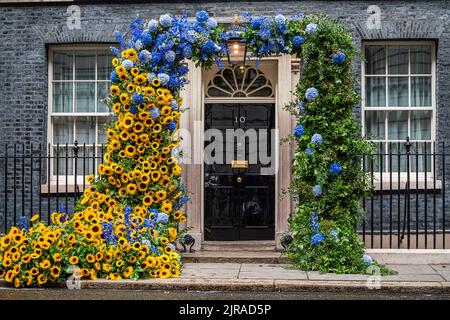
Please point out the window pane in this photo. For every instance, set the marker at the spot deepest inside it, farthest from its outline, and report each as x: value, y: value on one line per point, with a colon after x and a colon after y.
x: 62, y: 130
x: 62, y: 65
x: 398, y: 59
x: 102, y: 93
x: 375, y: 60
x: 62, y: 97
x: 424, y: 163
x: 421, y: 91
x: 85, y: 97
x: 85, y: 130
x: 62, y: 162
x: 85, y: 65
x: 375, y: 92
x: 397, y: 162
x: 420, y: 59
x: 375, y: 124
x: 398, y: 91
x: 104, y: 65
x: 85, y: 163
x: 397, y: 125
x: 102, y: 122
x: 420, y: 125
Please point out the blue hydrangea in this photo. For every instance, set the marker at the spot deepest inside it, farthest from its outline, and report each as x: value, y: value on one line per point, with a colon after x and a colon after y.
x: 299, y: 130
x: 257, y: 22
x: 209, y: 46
x: 211, y: 23
x: 152, y: 25
x: 154, y: 112
x: 113, y: 77
x: 192, y: 36
x: 317, y: 238
x: 314, y: 222
x: 134, y: 110
x: 162, y: 218
x: 172, y: 126
x: 137, y: 98
x: 202, y: 16
x: 127, y: 64
x: 317, y: 190
x: 138, y: 45
x: 145, y: 56
x: 174, y: 105
x: 309, y: 151
x: 187, y: 51
x: 146, y: 38
x: 334, y: 233
x: 317, y: 139
x: 311, y: 94
x: 301, y: 106
x: 170, y: 56
x: 297, y: 41
x: 335, y: 168
x: 165, y: 20
x: 164, y: 78
x: 311, y: 28
x: 23, y: 222
x: 367, y: 259
x: 280, y: 20
x: 339, y: 57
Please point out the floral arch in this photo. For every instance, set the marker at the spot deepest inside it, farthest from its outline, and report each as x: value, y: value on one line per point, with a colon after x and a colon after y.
x: 125, y: 224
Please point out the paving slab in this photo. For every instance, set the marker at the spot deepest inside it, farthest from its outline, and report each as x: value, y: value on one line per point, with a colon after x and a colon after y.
x: 445, y: 275
x: 413, y: 277
x: 314, y: 275
x: 210, y: 274
x: 219, y: 266
x: 412, y: 269
x: 441, y: 267
x: 264, y: 266
x: 272, y: 274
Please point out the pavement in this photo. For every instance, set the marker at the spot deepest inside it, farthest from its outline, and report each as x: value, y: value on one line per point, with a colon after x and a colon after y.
x: 282, y: 278
x: 265, y: 279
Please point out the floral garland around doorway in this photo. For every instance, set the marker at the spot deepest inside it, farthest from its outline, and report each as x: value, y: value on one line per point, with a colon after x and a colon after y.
x: 125, y: 224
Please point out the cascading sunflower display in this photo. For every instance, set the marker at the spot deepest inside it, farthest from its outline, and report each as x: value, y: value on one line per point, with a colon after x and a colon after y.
x: 125, y: 224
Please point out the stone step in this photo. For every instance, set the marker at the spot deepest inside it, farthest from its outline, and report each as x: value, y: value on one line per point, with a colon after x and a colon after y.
x: 272, y: 257
x: 238, y: 246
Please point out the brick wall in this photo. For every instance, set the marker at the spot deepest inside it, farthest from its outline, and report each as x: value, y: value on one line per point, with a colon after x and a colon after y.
x: 26, y: 32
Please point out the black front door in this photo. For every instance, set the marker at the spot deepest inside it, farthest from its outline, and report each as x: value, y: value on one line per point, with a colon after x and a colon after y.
x: 240, y: 194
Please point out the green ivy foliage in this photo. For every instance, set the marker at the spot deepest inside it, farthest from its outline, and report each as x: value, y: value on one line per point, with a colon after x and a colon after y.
x: 338, y: 208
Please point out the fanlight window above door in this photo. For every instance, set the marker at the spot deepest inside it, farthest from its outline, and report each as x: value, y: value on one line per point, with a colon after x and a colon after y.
x: 239, y: 82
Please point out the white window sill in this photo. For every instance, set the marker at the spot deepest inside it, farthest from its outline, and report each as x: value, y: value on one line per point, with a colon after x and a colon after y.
x: 396, y: 184
x: 62, y: 188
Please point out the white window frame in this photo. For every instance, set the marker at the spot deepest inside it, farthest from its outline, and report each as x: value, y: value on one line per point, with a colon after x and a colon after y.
x: 386, y: 173
x: 72, y: 115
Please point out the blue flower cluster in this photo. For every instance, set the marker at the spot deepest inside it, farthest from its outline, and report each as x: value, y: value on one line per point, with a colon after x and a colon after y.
x: 339, y: 57
x: 299, y: 130
x: 311, y: 94
x: 317, y: 190
x: 367, y: 259
x: 317, y: 139
x: 335, y: 168
x: 163, y: 44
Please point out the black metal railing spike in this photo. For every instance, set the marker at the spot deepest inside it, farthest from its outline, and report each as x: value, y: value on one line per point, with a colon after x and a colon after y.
x: 406, y: 212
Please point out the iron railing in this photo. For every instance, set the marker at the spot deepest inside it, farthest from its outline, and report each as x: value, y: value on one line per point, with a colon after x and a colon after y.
x: 407, y: 210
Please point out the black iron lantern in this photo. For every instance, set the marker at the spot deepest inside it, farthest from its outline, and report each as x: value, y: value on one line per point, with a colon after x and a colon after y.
x: 237, y: 51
